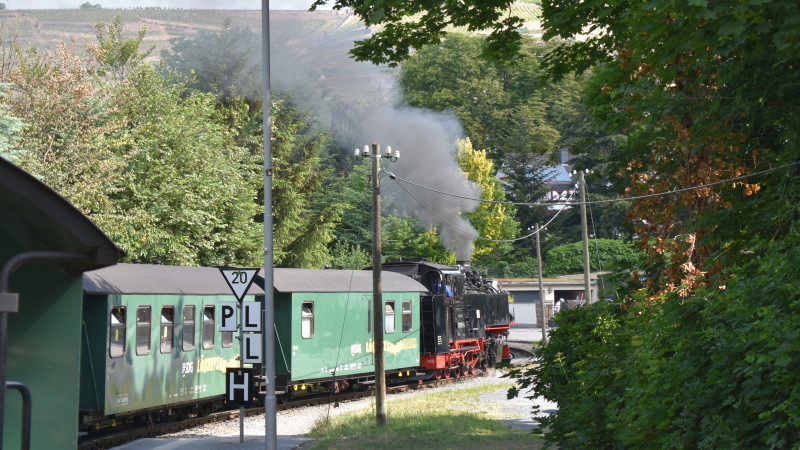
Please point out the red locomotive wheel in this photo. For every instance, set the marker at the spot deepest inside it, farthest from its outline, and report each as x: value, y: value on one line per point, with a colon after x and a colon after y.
x: 447, y: 373
x: 437, y: 373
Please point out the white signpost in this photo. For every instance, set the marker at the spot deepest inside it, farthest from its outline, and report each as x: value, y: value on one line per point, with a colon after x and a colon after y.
x: 240, y: 280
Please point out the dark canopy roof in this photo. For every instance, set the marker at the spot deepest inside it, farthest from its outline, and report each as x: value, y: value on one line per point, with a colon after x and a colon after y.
x: 159, y: 279
x: 34, y: 217
x: 320, y: 280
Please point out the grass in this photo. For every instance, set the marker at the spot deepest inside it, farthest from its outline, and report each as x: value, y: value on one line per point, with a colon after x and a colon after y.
x: 452, y: 419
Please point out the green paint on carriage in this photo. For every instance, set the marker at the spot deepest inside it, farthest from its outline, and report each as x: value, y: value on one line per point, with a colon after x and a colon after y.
x: 321, y: 335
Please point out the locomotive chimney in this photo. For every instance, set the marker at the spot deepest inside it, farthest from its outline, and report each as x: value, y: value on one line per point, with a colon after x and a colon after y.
x: 465, y: 264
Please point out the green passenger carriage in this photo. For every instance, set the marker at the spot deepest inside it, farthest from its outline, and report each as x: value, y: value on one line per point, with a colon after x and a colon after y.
x: 152, y: 342
x: 323, y: 320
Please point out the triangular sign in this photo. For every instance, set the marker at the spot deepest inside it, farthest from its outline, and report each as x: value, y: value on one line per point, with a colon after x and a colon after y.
x: 239, y: 279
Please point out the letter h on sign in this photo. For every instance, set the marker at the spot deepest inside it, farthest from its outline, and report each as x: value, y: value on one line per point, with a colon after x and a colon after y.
x: 239, y: 386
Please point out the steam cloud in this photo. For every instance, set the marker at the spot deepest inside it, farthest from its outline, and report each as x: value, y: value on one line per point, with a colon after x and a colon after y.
x: 316, y: 68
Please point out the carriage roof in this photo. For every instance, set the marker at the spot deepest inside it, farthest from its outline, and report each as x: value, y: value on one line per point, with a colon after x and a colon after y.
x: 186, y: 280
x: 320, y: 280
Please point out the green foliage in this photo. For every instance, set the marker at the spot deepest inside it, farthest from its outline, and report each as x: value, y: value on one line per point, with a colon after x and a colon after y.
x: 303, y: 224
x: 604, y: 254
x: 349, y: 256
x: 494, y: 222
x: 190, y: 196
x: 226, y: 62
x: 166, y: 171
x: 505, y: 109
x: 67, y: 117
x: 715, y: 370
x: 413, y: 25
x: 404, y: 239
x: 9, y: 127
x: 118, y: 56
x: 580, y: 369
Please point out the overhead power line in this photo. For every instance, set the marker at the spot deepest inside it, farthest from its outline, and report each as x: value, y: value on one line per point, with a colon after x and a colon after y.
x: 593, y: 202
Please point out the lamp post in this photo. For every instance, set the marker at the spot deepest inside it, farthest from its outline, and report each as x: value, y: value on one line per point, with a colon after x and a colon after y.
x: 377, y: 289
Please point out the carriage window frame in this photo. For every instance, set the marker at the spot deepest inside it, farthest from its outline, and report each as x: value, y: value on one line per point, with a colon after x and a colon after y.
x: 307, y: 320
x: 407, y: 312
x: 116, y: 347
x: 144, y: 328
x: 389, y: 311
x: 167, y: 329
x: 208, y: 327
x: 188, y: 328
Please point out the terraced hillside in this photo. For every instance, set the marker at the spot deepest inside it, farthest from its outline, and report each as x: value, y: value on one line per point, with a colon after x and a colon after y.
x: 46, y: 28
x: 307, y: 48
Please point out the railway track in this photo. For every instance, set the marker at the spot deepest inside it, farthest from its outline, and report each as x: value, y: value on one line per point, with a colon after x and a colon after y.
x: 124, y: 435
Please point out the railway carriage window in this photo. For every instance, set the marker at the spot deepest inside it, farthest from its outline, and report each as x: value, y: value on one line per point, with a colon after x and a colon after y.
x: 208, y: 327
x: 388, y: 322
x: 227, y: 339
x: 188, y: 328
x: 307, y: 320
x: 116, y: 335
x: 369, y: 315
x: 167, y: 328
x: 406, y: 316
x: 143, y: 330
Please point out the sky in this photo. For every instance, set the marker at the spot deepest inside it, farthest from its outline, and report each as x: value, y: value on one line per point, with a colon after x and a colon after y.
x: 187, y: 4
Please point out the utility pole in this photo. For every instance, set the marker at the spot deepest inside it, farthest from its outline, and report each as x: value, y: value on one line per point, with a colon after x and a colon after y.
x: 377, y: 289
x: 541, y: 285
x: 587, y: 296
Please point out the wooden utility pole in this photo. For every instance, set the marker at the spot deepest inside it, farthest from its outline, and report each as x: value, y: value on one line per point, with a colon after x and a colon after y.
x: 377, y: 289
x: 587, y: 296
x: 541, y: 284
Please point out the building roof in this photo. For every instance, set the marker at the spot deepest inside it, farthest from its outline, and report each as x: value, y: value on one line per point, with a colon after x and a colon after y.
x: 36, y: 218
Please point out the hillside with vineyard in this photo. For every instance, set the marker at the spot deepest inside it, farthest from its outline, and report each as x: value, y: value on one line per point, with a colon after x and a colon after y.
x: 46, y: 28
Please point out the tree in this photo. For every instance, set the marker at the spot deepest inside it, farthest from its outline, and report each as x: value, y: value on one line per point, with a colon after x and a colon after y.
x: 303, y: 224
x: 190, y: 197
x: 226, y: 61
x: 606, y: 254
x: 413, y: 25
x: 494, y: 222
x: 117, y: 56
x: 67, y: 117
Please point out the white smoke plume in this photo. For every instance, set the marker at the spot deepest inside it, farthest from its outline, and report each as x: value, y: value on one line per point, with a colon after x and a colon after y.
x: 316, y: 68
